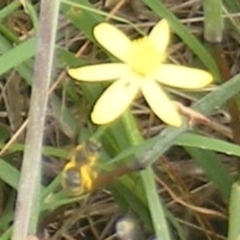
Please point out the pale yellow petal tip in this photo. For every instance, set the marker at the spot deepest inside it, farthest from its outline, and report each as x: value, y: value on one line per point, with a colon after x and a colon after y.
x: 102, y: 118
x: 72, y: 72
x: 99, y: 119
x: 101, y: 28
x: 209, y: 78
x: 99, y: 25
x: 163, y: 27
x: 204, y: 79
x: 164, y: 22
x: 174, y: 122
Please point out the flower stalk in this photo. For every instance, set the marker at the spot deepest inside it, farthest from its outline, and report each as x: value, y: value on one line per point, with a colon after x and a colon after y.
x: 27, y: 210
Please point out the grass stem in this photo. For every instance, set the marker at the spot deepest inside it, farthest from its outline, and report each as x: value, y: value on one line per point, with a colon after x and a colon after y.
x: 26, y: 217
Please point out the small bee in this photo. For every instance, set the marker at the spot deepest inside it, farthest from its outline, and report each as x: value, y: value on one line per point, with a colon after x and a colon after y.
x: 86, y: 153
x: 79, y: 173
x: 71, y: 179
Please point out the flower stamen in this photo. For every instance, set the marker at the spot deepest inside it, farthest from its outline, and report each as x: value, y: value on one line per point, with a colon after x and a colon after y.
x: 143, y: 57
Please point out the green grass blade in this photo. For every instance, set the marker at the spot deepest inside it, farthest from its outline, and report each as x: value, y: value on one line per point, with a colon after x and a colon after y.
x: 234, y: 213
x: 214, y: 169
x: 198, y: 141
x: 155, y: 206
x: 9, y: 9
x: 233, y: 5
x: 213, y: 21
x: 17, y: 55
x: 9, y: 174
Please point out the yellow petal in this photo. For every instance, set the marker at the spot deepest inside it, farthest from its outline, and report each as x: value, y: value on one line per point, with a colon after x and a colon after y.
x: 100, y: 72
x: 160, y: 36
x: 113, y: 40
x: 159, y: 102
x: 114, y: 101
x: 182, y: 77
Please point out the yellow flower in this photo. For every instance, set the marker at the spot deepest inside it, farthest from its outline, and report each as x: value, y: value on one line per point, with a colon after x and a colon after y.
x: 143, y: 68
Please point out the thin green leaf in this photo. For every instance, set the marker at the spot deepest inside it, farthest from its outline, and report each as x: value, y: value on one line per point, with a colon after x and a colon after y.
x: 198, y: 141
x: 17, y: 55
x: 213, y: 169
x: 234, y: 213
x: 9, y: 174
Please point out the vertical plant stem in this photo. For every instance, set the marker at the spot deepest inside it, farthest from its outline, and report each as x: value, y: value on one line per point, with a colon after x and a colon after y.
x: 213, y: 21
x: 213, y: 34
x: 25, y: 221
x: 213, y: 28
x: 155, y: 204
x: 234, y: 212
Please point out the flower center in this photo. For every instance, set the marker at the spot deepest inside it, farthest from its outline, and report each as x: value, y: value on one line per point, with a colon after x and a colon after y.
x: 143, y: 57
